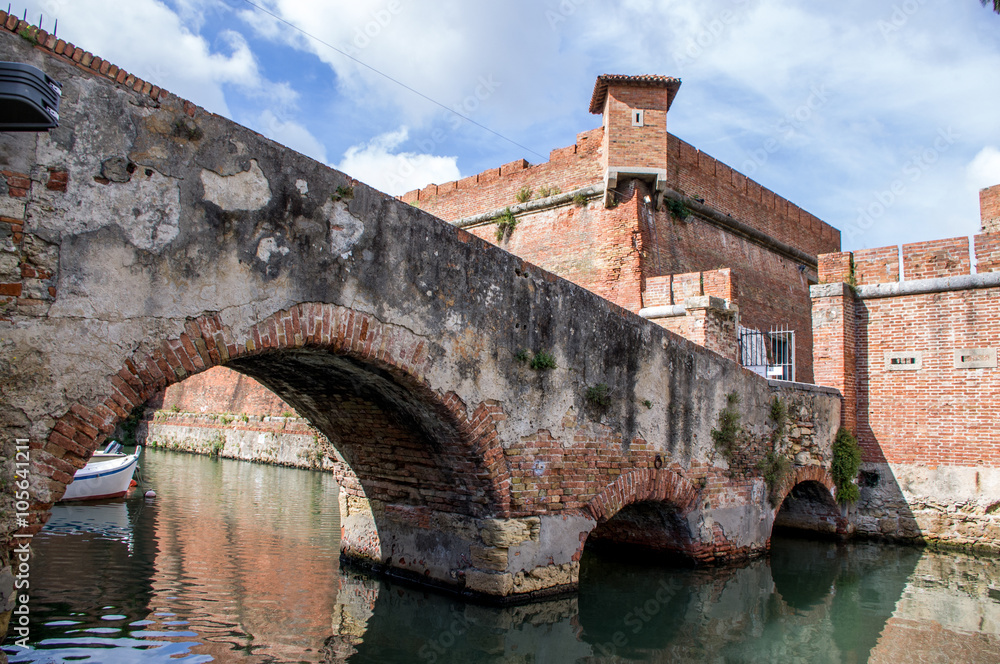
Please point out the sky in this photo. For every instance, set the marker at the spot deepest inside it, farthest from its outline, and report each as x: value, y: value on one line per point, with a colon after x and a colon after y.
x: 880, y: 117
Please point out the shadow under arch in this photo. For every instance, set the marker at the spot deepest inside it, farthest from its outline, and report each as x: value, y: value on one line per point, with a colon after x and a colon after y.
x: 418, y: 453
x: 809, y: 506
x: 644, y: 513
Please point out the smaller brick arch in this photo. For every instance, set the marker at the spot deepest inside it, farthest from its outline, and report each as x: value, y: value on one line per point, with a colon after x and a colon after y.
x: 643, y: 485
x: 810, y: 473
x: 207, y: 342
x: 808, y: 504
x: 643, y: 511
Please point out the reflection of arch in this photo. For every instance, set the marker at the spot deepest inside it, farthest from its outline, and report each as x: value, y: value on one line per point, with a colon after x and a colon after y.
x: 808, y: 503
x: 375, y: 367
x: 644, y: 510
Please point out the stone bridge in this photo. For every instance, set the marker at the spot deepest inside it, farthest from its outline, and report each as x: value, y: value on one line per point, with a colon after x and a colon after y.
x: 496, y: 417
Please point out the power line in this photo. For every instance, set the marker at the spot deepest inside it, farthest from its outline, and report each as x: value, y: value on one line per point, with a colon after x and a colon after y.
x: 390, y: 78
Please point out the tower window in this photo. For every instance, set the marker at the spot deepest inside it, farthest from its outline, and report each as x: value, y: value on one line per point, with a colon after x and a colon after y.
x: 636, y: 117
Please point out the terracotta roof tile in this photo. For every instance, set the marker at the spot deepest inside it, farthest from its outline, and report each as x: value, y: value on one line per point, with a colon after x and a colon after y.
x: 643, y: 81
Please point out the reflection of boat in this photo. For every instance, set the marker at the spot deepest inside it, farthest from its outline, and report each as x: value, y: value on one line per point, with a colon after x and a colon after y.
x: 107, y: 475
x: 109, y: 520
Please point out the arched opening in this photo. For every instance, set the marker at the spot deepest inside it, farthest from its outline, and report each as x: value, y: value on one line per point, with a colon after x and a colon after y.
x: 425, y: 460
x: 808, y: 508
x: 646, y: 530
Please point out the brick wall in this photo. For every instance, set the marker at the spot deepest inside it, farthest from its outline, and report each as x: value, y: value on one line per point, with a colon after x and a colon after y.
x: 626, y: 145
x: 875, y: 266
x: 676, y: 288
x: 221, y: 390
x: 596, y: 248
x: 988, y: 252
x: 989, y: 206
x: 568, y: 168
x: 936, y: 258
x: 928, y: 429
x: 937, y: 414
x: 771, y: 289
x: 701, y: 176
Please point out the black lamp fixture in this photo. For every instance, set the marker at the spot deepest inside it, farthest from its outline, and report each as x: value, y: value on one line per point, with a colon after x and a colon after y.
x: 29, y: 99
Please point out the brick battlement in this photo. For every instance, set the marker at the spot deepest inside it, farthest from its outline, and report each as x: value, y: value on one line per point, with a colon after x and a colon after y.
x: 568, y: 168
x: 989, y: 204
x: 921, y: 260
x: 676, y: 288
x: 689, y: 171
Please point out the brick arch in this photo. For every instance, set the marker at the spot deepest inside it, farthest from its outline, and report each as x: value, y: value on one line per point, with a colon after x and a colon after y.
x: 806, y: 474
x: 643, y: 485
x: 320, y: 328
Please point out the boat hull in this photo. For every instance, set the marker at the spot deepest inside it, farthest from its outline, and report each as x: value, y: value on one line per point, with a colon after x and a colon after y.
x: 104, y: 478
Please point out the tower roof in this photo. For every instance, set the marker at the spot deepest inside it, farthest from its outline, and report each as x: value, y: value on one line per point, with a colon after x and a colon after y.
x: 643, y: 81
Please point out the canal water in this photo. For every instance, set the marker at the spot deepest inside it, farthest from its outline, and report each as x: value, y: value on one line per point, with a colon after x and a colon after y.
x: 238, y: 562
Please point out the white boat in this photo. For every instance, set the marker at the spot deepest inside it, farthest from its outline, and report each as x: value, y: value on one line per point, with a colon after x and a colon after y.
x: 108, y: 474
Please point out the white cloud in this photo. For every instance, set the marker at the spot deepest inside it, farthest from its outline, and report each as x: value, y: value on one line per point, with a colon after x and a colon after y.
x: 151, y: 41
x: 290, y: 134
x: 375, y: 163
x: 984, y: 170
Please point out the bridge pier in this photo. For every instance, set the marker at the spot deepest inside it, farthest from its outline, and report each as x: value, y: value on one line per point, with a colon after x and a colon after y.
x: 495, y: 559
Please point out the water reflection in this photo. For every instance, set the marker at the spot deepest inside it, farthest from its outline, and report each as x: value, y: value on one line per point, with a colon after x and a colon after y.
x: 235, y: 562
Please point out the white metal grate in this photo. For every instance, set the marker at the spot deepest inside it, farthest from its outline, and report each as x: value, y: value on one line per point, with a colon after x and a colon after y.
x: 770, y: 354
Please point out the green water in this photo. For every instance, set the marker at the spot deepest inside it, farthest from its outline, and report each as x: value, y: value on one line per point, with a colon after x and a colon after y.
x: 237, y: 562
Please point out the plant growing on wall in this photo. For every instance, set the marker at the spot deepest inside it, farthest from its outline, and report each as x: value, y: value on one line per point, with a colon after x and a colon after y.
x: 542, y: 361
x: 599, y: 395
x: 779, y: 415
x: 342, y: 194
x: 729, y: 429
x: 579, y: 200
x: 545, y: 192
x: 677, y: 209
x: 845, y: 466
x: 506, y: 223
x: 523, y: 195
x: 776, y: 469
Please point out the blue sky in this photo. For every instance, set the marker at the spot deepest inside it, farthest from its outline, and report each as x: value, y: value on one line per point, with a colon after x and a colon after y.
x: 879, y: 117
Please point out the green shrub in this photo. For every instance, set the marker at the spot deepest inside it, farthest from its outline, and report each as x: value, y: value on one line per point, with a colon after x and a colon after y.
x: 729, y: 429
x: 579, y: 200
x: 599, y: 395
x: 779, y: 415
x: 776, y: 469
x: 542, y: 361
x: 342, y: 194
x: 506, y: 223
x: 845, y: 466
x: 523, y: 195
x: 523, y: 356
x: 677, y: 209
